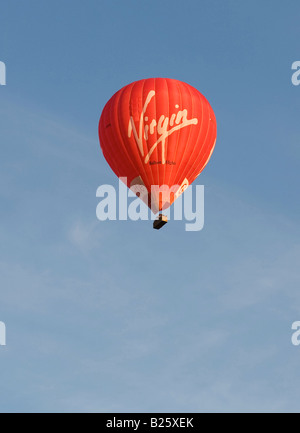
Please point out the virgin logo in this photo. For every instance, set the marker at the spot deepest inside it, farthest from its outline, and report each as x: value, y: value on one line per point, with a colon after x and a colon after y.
x: 164, y: 127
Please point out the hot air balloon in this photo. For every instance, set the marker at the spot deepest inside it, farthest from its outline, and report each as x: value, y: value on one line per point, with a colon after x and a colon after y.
x: 158, y: 132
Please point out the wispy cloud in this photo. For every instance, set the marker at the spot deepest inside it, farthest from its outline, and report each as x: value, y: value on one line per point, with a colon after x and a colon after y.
x: 84, y: 235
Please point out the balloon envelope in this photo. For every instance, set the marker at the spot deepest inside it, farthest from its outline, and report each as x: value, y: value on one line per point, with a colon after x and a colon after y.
x: 157, y: 135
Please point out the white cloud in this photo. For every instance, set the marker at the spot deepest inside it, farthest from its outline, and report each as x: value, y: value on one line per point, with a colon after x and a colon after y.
x: 85, y: 236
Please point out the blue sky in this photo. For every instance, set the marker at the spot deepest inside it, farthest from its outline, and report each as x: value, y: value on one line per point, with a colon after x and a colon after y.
x: 113, y: 316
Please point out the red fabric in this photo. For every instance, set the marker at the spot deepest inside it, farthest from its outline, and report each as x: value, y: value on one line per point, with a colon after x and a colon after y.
x: 158, y: 131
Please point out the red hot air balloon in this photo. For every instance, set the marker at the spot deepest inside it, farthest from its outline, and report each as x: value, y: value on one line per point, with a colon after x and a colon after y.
x: 155, y: 132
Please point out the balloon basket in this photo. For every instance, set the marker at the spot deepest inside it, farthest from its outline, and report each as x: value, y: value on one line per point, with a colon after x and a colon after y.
x: 160, y: 222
